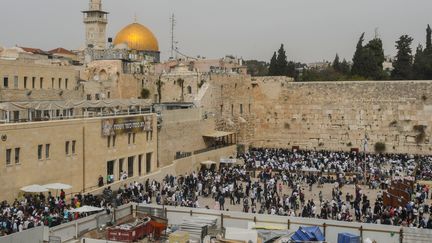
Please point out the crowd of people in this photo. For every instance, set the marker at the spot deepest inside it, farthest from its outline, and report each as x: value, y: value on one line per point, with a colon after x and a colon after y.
x: 271, y: 181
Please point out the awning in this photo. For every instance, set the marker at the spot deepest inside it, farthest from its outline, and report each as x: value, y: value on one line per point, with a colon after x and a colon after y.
x: 217, y: 134
x: 208, y: 162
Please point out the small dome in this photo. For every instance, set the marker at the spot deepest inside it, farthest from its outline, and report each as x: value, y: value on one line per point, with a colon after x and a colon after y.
x: 137, y: 37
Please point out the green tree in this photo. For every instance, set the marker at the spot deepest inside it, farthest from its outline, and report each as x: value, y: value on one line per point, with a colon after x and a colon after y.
x: 358, y: 58
x: 402, y: 64
x: 422, y: 67
x: 257, y: 68
x: 336, y: 63
x: 375, y: 57
x: 428, y: 37
x: 145, y: 93
x: 281, y: 62
x: 368, y: 60
x: 344, y: 67
x: 272, y: 71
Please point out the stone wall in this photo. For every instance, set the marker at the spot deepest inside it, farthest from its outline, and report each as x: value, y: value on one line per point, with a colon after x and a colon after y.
x: 80, y: 166
x: 182, y: 131
x: 338, y: 115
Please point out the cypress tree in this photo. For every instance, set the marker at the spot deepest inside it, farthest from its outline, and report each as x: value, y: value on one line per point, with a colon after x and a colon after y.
x: 272, y: 68
x: 428, y: 38
x: 358, y: 60
x: 281, y: 62
x: 403, y: 61
x: 336, y: 63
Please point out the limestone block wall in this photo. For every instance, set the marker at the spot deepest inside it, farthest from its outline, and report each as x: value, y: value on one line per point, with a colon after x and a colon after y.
x: 338, y: 115
x: 172, y: 88
x: 182, y: 131
x: 79, y: 167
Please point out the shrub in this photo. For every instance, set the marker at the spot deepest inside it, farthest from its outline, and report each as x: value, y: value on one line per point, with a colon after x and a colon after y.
x: 380, y: 147
x: 349, y: 144
x: 145, y: 93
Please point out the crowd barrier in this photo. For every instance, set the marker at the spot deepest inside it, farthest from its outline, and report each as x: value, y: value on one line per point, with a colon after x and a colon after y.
x: 330, y: 228
x: 34, y: 235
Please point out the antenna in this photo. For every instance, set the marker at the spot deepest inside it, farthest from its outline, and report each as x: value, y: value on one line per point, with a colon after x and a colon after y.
x: 173, y: 43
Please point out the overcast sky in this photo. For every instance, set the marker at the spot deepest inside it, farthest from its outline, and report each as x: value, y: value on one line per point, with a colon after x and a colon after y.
x: 312, y: 30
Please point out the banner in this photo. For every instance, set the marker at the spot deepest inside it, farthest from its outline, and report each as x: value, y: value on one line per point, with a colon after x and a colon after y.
x: 117, y: 126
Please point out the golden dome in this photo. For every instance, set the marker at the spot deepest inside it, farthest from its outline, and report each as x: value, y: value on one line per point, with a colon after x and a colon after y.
x: 137, y: 37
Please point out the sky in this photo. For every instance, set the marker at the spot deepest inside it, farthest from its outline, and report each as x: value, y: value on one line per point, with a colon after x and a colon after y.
x: 311, y: 30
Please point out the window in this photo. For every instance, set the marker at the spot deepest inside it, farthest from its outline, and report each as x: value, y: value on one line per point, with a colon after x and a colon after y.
x: 97, y: 96
x: 5, y: 82
x: 241, y: 108
x: 151, y: 135
x: 148, y: 162
x: 109, y: 95
x: 8, y: 156
x: 140, y: 164
x: 33, y: 82
x: 25, y: 82
x: 66, y: 83
x: 47, y: 151
x: 129, y: 138
x: 40, y: 152
x: 89, y: 97
x: 16, y: 82
x: 232, y: 110
x: 110, y: 167
x: 131, y: 166
x: 73, y: 146
x: 17, y: 155
x: 221, y: 109
x: 147, y: 136
x: 250, y: 108
x: 41, y: 83
x: 59, y: 81
x: 108, y: 141
x: 120, y: 167
x: 67, y: 147
x: 114, y: 140
x: 189, y: 90
x: 133, y: 137
x: 52, y: 83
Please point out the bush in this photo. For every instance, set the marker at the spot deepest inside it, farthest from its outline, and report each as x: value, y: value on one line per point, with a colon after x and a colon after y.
x: 145, y: 93
x: 349, y: 144
x: 380, y: 147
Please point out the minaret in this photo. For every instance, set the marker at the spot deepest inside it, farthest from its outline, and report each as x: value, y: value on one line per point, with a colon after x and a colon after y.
x: 95, y: 21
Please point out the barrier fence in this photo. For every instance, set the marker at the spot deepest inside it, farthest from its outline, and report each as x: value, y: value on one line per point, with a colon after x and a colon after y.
x: 330, y: 228
x: 175, y: 215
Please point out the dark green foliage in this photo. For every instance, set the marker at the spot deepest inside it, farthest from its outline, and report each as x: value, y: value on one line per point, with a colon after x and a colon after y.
x: 422, y: 67
x: 257, y: 68
x: 279, y: 66
x: 281, y: 62
x: 358, y: 59
x: 273, y: 66
x: 368, y: 60
x: 145, y: 93
x: 380, y: 147
x: 336, y: 63
x: 402, y: 64
x: 428, y: 37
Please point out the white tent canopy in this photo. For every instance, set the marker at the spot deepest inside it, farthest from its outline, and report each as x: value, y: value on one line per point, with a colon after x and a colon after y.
x: 57, y: 186
x: 86, y: 209
x: 208, y: 162
x: 34, y: 188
